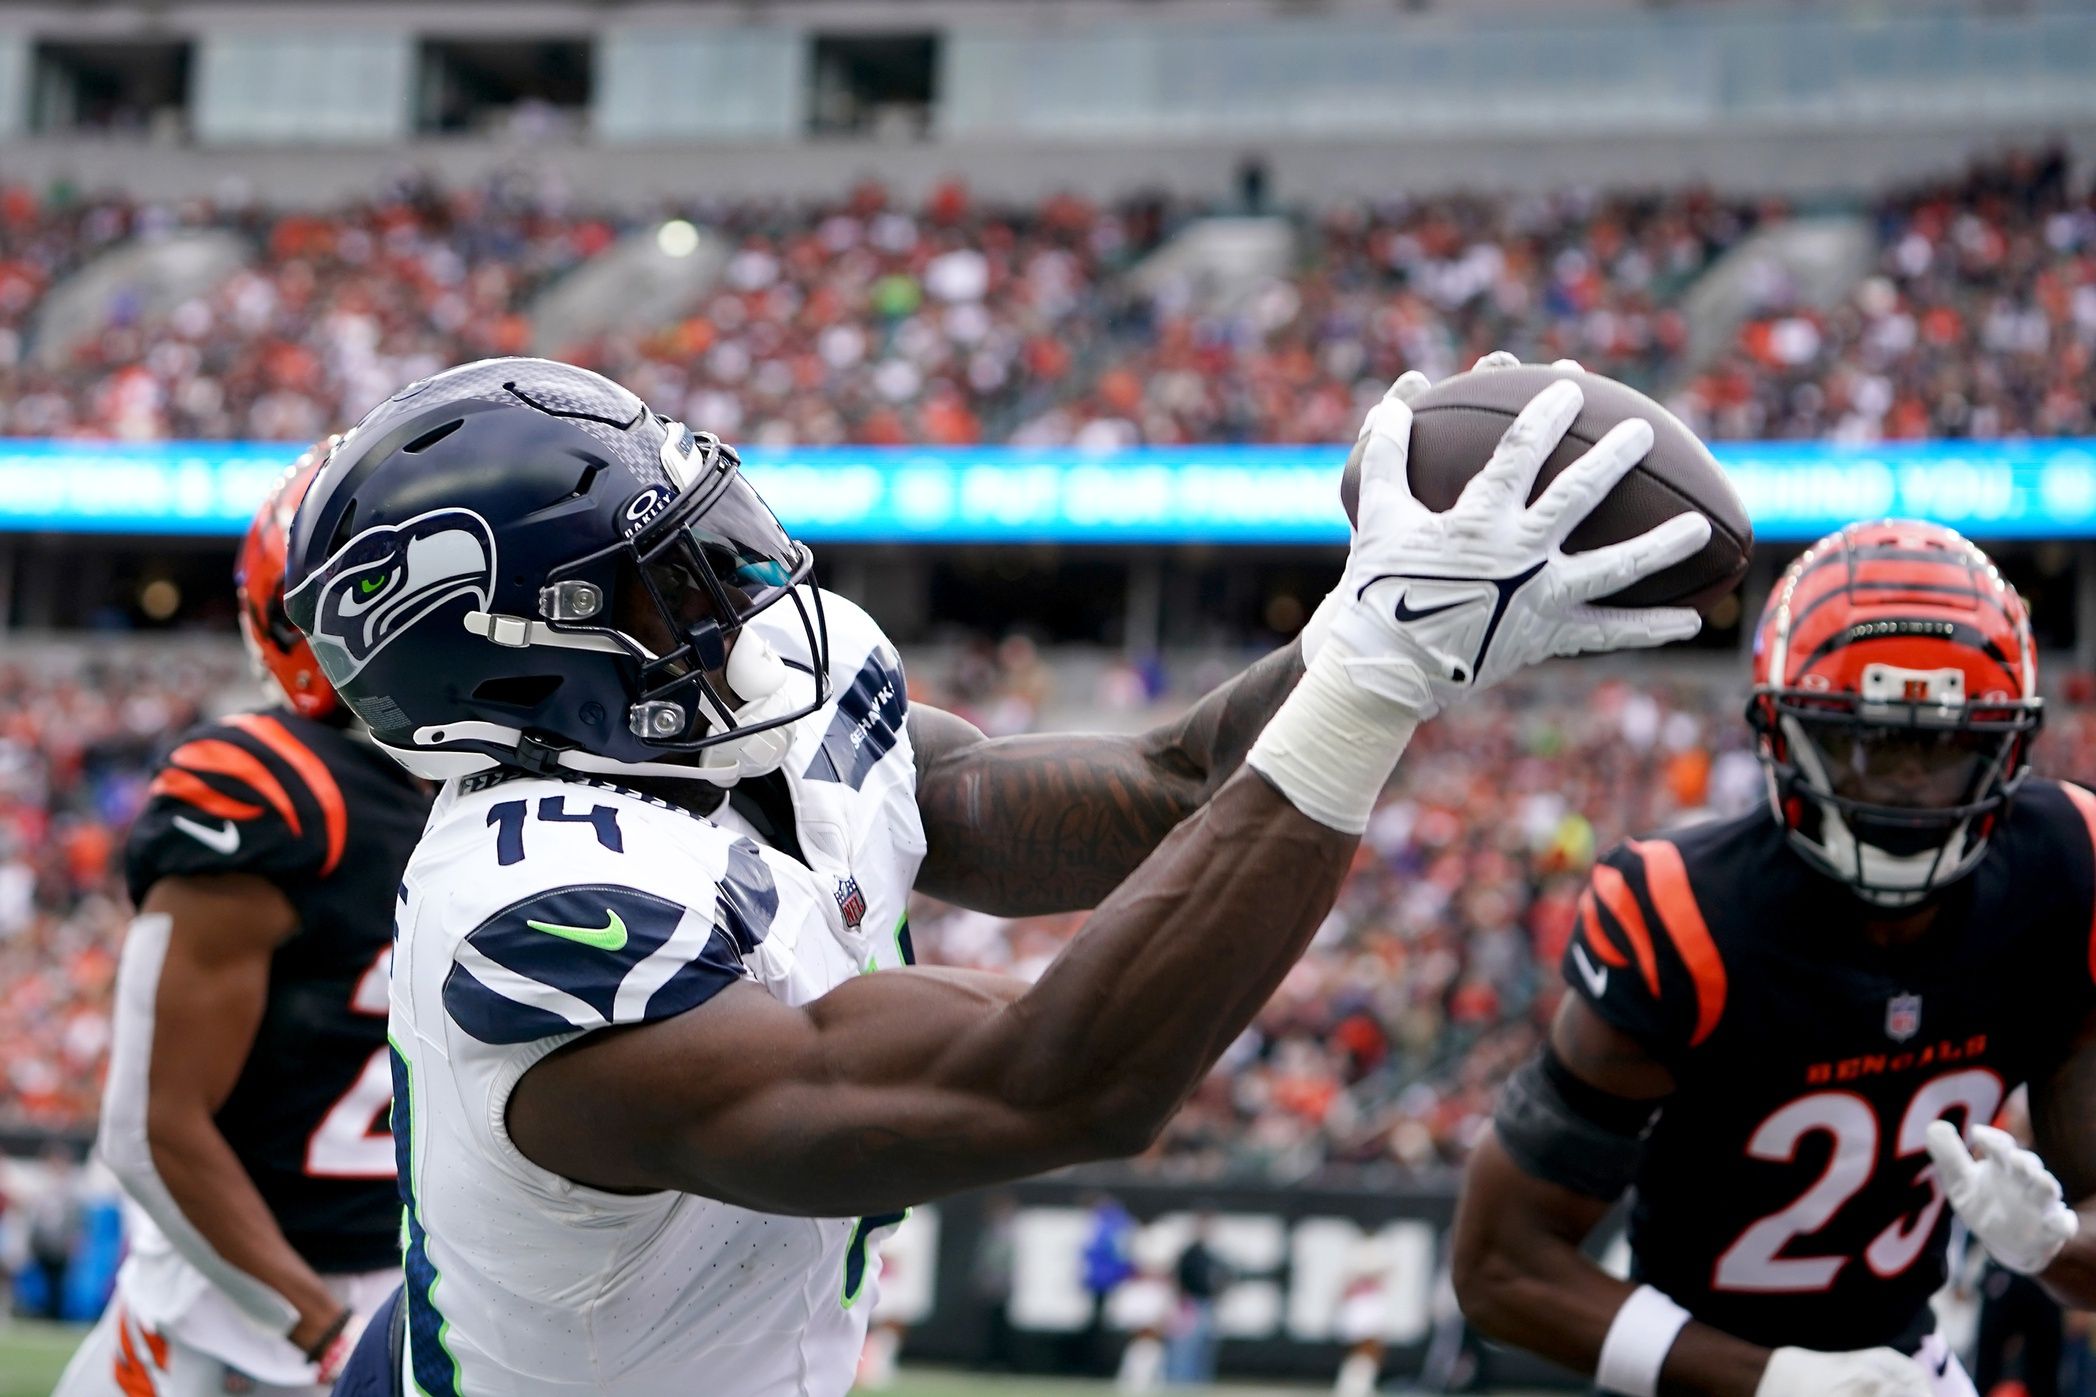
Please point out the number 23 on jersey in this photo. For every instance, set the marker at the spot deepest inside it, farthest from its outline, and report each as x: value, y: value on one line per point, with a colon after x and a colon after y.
x: 1757, y: 1261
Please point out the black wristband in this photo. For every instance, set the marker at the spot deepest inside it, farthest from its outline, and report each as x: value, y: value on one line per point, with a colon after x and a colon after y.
x: 334, y: 1331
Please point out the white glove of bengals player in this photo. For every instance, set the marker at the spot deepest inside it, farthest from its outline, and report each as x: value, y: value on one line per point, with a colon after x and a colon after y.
x: 2004, y: 1194
x: 1434, y: 605
x: 1870, y: 1372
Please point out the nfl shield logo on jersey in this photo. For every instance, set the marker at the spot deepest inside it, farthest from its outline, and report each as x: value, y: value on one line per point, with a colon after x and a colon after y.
x: 851, y: 902
x: 1902, y: 1017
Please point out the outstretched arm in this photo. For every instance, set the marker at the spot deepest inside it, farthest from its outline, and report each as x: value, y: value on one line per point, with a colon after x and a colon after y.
x: 913, y: 1083
x: 1053, y: 822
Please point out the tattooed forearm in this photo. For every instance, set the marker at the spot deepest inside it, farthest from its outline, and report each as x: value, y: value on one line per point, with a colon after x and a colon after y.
x: 1054, y: 822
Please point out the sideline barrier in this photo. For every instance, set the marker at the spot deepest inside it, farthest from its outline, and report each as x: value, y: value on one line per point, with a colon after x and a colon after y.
x: 1275, y: 495
x: 1296, y: 1252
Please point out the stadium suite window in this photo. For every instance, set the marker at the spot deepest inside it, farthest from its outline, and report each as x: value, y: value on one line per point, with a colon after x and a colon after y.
x: 479, y: 86
x: 133, y: 87
x: 877, y: 85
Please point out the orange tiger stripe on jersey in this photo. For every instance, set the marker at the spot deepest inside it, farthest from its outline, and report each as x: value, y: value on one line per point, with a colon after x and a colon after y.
x: 1666, y: 878
x: 155, y: 1345
x: 1597, y: 936
x: 216, y: 758
x: 312, y: 770
x: 132, y: 1379
x: 1614, y: 891
x: 191, y: 790
x: 2086, y: 804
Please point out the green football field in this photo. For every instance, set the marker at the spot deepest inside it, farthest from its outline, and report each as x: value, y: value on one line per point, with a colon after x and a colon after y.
x: 32, y: 1354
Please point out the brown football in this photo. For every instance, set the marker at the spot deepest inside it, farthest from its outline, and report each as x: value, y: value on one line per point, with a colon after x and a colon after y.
x: 1457, y: 422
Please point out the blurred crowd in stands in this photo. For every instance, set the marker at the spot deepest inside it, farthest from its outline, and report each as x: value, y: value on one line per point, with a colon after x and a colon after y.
x: 950, y: 322
x: 1977, y: 319
x: 75, y: 757
x: 1381, y: 1051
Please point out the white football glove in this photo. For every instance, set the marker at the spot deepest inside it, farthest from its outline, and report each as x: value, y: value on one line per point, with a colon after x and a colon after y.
x: 2005, y: 1195
x: 1433, y: 606
x: 1870, y: 1372
x: 1407, y: 389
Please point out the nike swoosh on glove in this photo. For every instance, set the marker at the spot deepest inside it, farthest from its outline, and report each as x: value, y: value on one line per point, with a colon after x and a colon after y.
x: 2006, y: 1196
x: 1435, y: 605
x: 1407, y: 389
x: 1870, y: 1372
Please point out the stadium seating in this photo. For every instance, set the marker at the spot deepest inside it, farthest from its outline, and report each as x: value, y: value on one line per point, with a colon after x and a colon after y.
x: 954, y: 322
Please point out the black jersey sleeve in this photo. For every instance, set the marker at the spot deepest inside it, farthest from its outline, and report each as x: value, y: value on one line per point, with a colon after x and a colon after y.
x: 1641, y: 953
x: 243, y: 795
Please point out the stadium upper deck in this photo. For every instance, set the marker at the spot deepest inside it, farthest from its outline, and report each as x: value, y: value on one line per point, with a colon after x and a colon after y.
x: 319, y: 100
x: 954, y: 320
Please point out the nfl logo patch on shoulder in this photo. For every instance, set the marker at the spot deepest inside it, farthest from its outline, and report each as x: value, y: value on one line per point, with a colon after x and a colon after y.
x: 851, y: 902
x: 1902, y: 1017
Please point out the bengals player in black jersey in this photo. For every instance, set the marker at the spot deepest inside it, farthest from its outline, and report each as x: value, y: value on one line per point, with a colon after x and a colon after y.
x: 246, y: 1108
x: 1790, y: 1030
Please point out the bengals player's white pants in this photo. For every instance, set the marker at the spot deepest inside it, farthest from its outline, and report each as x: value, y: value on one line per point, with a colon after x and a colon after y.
x: 1945, y: 1371
x: 124, y: 1357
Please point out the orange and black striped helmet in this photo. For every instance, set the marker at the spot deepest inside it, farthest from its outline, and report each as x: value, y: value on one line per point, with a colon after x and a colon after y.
x: 1895, y: 694
x: 280, y: 654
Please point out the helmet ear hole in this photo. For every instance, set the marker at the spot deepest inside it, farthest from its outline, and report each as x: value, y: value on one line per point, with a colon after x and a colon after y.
x: 281, y: 632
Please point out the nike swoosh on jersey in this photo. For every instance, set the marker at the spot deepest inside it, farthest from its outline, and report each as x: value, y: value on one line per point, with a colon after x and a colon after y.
x: 219, y: 841
x: 609, y: 937
x: 1596, y: 976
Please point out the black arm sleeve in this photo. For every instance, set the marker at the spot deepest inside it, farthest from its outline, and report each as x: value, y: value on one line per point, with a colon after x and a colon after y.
x: 1561, y: 1130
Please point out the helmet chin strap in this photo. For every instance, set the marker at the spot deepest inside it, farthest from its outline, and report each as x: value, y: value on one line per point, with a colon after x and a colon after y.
x: 754, y: 671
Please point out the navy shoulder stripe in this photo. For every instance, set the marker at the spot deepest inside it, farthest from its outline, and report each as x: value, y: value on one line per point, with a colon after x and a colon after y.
x: 868, y: 721
x: 586, y: 956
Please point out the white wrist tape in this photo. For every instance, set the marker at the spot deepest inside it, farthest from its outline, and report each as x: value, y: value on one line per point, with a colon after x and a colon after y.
x: 1332, y: 745
x: 1638, y: 1341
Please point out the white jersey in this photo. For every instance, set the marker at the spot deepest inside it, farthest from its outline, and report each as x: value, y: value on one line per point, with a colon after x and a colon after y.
x: 536, y: 910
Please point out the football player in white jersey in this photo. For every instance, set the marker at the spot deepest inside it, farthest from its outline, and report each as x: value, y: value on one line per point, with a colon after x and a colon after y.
x: 653, y: 1105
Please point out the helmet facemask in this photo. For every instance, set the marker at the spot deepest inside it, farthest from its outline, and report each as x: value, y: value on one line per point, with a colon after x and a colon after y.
x: 1895, y: 797
x: 682, y: 595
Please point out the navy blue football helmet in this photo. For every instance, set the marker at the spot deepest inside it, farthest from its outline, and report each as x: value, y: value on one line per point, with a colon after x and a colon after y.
x: 516, y: 563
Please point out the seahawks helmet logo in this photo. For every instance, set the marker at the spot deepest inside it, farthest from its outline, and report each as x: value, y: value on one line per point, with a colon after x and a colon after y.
x: 386, y: 579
